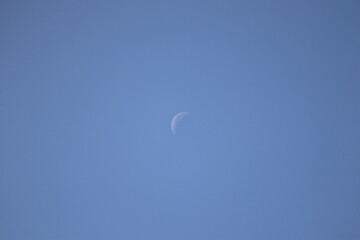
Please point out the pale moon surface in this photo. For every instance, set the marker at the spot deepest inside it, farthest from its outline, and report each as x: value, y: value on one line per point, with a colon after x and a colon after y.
x: 176, y: 120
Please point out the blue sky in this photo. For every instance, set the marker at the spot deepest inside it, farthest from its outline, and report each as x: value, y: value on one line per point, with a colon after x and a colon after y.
x: 270, y: 149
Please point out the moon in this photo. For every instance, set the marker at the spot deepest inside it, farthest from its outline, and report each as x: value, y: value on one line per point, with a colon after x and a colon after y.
x: 176, y: 120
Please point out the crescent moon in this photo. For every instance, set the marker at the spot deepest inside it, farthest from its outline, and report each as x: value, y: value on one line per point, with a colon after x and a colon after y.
x: 176, y: 119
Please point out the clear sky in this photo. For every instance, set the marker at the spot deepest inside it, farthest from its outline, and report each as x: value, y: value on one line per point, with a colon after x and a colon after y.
x: 270, y: 149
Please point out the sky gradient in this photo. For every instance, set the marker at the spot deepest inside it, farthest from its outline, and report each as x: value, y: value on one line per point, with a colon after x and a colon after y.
x: 270, y: 149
